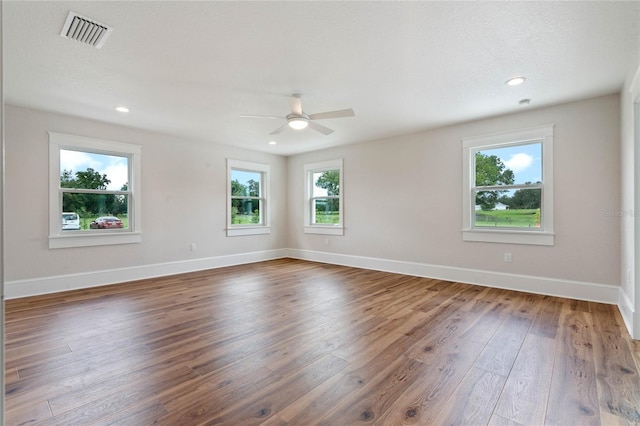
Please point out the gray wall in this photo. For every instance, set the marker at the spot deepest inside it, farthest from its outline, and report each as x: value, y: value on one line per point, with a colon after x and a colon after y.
x: 183, y: 199
x: 403, y: 197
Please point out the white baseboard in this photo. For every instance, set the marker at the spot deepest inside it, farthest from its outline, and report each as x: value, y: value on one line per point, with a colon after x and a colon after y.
x: 540, y: 285
x: 36, y: 286
x: 625, y: 306
x: 593, y: 292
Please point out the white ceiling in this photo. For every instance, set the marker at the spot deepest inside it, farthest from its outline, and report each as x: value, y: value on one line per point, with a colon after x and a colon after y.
x: 192, y: 68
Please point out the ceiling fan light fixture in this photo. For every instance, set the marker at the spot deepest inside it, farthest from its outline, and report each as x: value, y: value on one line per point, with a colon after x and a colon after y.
x: 298, y: 123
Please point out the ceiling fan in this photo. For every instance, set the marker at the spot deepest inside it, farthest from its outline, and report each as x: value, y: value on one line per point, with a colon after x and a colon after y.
x: 298, y: 119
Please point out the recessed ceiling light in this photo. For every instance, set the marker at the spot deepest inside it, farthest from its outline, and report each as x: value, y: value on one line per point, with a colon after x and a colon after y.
x: 122, y: 109
x: 515, y: 81
x: 524, y: 102
x: 273, y: 143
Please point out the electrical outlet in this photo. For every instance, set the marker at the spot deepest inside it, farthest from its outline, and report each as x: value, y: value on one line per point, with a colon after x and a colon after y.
x: 508, y: 258
x: 326, y: 241
x: 193, y: 246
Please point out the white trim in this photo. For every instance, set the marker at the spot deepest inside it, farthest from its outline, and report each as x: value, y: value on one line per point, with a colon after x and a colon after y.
x: 544, y: 236
x: 508, y: 237
x: 248, y: 230
x: 634, y: 87
x: 627, y: 311
x: 594, y: 292
x: 265, y: 190
x: 325, y: 229
x: 36, y: 286
x: 58, y: 239
x: 107, y: 238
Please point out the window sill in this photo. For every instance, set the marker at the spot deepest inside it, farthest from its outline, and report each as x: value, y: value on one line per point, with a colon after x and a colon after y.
x: 509, y: 237
x: 324, y: 230
x: 248, y: 230
x: 79, y: 240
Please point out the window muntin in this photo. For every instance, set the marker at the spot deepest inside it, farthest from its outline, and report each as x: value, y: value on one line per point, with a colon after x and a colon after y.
x: 517, y: 206
x: 91, y: 178
x: 247, y: 203
x: 326, y: 197
x: 246, y: 197
x: 323, y: 195
x: 508, y: 186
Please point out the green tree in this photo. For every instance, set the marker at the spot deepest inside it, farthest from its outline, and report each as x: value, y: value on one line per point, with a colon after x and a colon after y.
x: 91, y: 179
x: 330, y: 180
x: 254, y: 188
x: 526, y: 198
x: 238, y: 189
x: 85, y: 204
x: 491, y: 171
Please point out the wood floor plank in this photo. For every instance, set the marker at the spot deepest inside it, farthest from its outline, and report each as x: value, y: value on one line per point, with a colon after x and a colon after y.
x: 271, y: 399
x: 380, y: 391
x: 425, y: 397
x: 504, y: 346
x: 573, y: 398
x: 526, y: 392
x: 291, y: 342
x: 33, y: 413
x: 473, y: 402
x: 618, y: 381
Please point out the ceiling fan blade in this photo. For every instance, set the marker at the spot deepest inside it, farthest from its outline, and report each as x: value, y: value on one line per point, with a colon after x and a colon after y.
x: 324, y: 130
x: 295, y: 101
x: 279, y: 129
x: 261, y: 116
x: 332, y: 114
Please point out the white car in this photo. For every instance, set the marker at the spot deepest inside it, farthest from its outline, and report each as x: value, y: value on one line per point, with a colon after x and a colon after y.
x: 70, y: 221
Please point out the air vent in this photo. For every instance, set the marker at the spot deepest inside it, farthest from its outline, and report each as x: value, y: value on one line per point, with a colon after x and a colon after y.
x: 85, y: 30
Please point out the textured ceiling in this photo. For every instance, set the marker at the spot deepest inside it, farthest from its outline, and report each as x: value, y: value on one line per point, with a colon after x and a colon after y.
x: 192, y: 68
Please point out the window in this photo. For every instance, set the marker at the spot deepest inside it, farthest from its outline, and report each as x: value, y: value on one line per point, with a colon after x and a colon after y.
x: 508, y: 187
x: 94, y: 189
x: 248, y: 203
x: 323, y: 195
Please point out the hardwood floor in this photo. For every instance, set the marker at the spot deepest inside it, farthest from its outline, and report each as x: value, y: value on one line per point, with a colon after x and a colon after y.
x: 289, y: 342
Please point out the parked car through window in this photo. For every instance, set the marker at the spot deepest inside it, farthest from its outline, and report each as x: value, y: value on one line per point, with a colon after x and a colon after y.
x: 106, y: 222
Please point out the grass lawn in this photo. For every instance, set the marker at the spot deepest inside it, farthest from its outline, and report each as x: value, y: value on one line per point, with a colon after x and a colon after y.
x: 526, y: 218
x: 243, y: 219
x: 328, y: 217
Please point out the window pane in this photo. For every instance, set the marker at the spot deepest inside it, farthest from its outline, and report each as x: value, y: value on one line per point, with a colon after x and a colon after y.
x: 247, y: 184
x: 518, y: 164
x: 246, y: 211
x: 326, y: 210
x: 79, y: 169
x: 514, y: 209
x: 326, y: 183
x: 88, y: 207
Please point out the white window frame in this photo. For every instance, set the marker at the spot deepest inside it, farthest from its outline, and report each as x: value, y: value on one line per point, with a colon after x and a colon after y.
x: 321, y: 228
x: 87, y: 238
x: 537, y: 236
x: 265, y: 171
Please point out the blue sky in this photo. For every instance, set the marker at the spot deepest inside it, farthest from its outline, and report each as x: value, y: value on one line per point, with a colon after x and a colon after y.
x: 244, y: 177
x: 524, y: 160
x: 116, y: 168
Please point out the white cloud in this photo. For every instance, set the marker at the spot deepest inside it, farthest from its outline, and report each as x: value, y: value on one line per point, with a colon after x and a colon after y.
x: 519, y: 162
x: 77, y: 161
x: 113, y: 166
x: 118, y: 174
